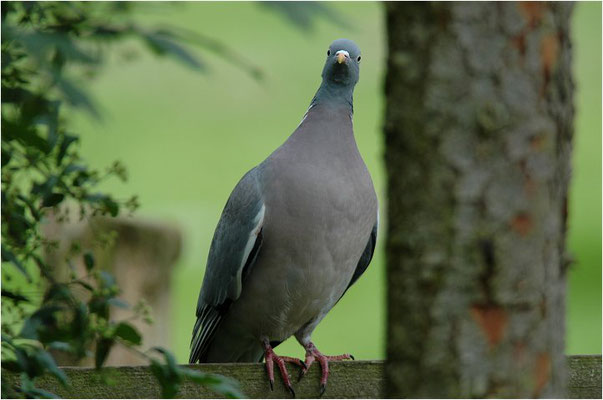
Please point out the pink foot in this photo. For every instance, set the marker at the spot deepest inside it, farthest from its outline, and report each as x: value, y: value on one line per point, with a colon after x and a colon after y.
x: 313, y: 354
x: 272, y: 358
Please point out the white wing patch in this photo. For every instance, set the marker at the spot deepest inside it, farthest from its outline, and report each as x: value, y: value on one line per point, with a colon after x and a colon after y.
x: 306, y: 114
x: 258, y: 222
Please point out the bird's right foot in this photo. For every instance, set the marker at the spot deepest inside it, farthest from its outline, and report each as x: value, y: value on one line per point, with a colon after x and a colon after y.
x: 271, y: 358
x: 313, y: 354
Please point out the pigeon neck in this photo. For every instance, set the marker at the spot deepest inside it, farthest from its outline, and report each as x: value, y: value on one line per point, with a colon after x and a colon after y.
x: 334, y: 95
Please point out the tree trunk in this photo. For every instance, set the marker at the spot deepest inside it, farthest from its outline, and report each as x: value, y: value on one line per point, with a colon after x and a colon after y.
x: 479, y: 124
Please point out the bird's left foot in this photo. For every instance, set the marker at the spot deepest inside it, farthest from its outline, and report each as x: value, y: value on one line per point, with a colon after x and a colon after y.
x: 312, y: 354
x: 280, y: 361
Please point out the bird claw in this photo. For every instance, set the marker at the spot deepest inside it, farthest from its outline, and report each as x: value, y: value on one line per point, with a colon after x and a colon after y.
x: 312, y: 354
x: 271, y: 359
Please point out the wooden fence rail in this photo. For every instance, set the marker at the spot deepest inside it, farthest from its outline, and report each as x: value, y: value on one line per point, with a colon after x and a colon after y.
x: 348, y: 379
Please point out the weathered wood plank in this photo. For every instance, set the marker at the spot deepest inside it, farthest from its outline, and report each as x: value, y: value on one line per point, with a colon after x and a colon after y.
x: 348, y: 379
x: 584, y: 380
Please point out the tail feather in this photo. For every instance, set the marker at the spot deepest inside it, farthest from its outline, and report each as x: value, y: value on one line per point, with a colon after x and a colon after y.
x: 203, y: 333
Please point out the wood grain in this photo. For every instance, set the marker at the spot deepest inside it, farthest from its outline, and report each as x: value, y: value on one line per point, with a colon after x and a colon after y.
x: 348, y: 379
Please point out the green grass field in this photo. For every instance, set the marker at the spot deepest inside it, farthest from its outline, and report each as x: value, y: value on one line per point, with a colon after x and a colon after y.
x: 187, y: 138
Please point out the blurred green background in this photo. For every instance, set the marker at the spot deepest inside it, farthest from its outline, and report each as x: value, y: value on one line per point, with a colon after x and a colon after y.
x: 188, y: 137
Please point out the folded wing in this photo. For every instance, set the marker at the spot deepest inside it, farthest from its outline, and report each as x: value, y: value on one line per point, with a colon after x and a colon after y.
x: 234, y: 248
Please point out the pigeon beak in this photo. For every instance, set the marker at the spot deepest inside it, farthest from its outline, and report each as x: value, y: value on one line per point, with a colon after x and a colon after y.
x: 342, y: 56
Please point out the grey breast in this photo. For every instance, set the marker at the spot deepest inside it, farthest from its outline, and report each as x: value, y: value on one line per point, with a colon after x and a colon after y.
x: 320, y: 210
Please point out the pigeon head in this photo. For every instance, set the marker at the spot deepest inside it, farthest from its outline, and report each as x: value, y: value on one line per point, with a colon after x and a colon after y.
x: 342, y: 67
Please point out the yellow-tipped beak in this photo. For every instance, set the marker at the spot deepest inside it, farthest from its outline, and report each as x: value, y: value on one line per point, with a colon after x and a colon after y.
x: 340, y: 57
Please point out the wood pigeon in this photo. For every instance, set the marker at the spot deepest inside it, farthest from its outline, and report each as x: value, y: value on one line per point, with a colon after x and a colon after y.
x: 297, y: 231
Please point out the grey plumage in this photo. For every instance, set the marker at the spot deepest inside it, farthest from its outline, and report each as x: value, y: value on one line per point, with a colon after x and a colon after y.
x: 233, y: 250
x: 297, y: 231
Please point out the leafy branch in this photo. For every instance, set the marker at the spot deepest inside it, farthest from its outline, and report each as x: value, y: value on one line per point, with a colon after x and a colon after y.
x: 44, y: 177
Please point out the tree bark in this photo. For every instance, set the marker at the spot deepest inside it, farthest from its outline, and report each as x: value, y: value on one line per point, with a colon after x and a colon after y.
x: 478, y: 131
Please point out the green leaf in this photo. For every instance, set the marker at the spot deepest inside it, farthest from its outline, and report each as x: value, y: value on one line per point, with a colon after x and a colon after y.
x: 169, y: 382
x: 26, y: 134
x: 303, y: 14
x: 26, y: 382
x: 218, y: 383
x: 80, y: 178
x: 19, y: 228
x: 169, y: 358
x: 41, y: 43
x: 28, y: 388
x: 32, y: 208
x: 83, y: 284
x: 98, y: 305
x: 46, y: 187
x: 23, y: 362
x: 52, y: 199
x: 38, y: 393
x: 46, y: 360
x: 169, y: 387
x: 81, y: 320
x: 169, y: 375
x: 76, y: 96
x: 16, y: 297
x: 74, y: 168
x: 162, y: 44
x: 43, y: 317
x: 5, y: 159
x: 67, y: 141
x: 107, y: 202
x: 61, y: 346
x: 15, y: 95
x: 218, y: 48
x: 107, y: 279
x: 128, y: 333
x: 95, y: 197
x: 89, y: 260
x: 58, y: 292
x: 103, y: 347
x: 11, y: 365
x: 200, y: 377
x: 111, y: 206
x: 114, y: 301
x: 9, y: 256
x: 230, y: 390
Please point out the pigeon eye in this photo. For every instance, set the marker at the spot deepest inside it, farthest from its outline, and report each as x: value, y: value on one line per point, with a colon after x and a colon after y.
x: 358, y: 59
x: 329, y: 52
